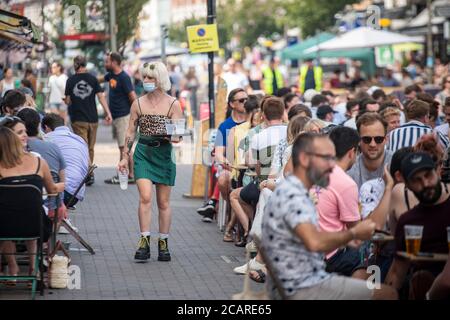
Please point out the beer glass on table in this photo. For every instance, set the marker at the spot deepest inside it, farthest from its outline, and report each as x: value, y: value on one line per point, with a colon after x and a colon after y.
x: 413, y: 237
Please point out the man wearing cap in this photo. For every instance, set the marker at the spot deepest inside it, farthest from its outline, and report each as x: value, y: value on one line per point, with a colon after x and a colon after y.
x: 326, y: 113
x: 310, y: 77
x: 433, y: 213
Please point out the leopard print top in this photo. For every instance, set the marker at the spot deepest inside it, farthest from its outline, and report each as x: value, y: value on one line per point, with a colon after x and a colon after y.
x: 153, y: 124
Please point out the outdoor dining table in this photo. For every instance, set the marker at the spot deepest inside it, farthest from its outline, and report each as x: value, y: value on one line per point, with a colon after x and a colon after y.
x: 424, y: 257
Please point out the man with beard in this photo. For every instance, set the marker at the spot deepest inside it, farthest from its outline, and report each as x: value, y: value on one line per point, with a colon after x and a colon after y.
x: 291, y: 240
x: 121, y: 97
x: 433, y: 213
x: 373, y: 158
x: 338, y: 205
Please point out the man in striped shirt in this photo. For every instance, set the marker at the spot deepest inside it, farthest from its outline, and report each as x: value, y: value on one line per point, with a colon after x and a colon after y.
x: 407, y: 135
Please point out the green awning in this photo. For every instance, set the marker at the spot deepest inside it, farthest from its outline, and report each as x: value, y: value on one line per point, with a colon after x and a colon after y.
x: 357, y: 54
x: 295, y: 52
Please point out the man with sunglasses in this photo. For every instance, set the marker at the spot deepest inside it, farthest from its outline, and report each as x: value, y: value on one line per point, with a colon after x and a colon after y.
x: 374, y: 157
x: 291, y: 238
x: 338, y: 205
x: 236, y: 100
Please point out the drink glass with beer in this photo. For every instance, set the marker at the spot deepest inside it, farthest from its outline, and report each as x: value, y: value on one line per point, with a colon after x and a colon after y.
x: 413, y: 237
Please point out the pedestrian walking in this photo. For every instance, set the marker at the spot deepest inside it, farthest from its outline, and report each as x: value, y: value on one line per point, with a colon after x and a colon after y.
x: 153, y: 157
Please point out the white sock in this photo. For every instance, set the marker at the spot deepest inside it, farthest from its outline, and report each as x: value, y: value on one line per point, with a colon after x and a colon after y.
x: 163, y: 236
x: 145, y: 234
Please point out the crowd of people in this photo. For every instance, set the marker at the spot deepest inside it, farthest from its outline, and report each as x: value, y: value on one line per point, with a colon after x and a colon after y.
x: 308, y: 175
x: 308, y: 172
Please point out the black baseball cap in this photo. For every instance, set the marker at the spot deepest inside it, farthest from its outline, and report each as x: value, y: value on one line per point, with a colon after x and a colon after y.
x: 323, y: 110
x: 415, y: 162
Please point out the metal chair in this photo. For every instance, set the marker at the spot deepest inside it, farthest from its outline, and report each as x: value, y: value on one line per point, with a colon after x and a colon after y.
x: 70, y: 207
x: 21, y: 219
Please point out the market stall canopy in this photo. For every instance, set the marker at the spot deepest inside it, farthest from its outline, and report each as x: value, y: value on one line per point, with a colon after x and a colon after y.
x: 17, y: 30
x: 296, y: 51
x: 155, y: 53
x: 363, y: 37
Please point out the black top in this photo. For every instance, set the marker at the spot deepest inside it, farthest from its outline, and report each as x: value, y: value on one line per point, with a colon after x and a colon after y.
x: 434, y: 219
x: 21, y: 205
x: 119, y: 87
x: 82, y: 89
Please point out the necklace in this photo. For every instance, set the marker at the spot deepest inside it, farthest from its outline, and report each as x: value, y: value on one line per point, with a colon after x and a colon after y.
x: 153, y: 105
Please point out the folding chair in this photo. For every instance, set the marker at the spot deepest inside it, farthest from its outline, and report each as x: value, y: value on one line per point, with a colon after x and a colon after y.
x: 21, y: 219
x: 69, y: 206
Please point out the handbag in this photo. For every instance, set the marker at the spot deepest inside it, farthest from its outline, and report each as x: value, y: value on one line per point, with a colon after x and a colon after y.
x: 58, y: 267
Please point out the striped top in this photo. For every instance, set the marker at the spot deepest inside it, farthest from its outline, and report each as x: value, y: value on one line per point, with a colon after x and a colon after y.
x: 408, y: 134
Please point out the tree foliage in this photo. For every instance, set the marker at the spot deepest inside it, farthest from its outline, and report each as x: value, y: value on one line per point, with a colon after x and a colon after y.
x: 247, y: 20
x: 313, y: 15
x: 127, y: 13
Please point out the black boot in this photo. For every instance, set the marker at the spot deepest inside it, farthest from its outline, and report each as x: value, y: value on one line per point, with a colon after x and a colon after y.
x: 143, y: 252
x: 163, y: 250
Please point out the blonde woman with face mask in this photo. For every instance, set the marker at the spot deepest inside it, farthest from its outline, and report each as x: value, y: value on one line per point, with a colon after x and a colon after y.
x: 154, y: 161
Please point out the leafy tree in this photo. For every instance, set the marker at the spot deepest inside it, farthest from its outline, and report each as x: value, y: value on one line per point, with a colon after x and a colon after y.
x: 312, y: 15
x: 127, y: 13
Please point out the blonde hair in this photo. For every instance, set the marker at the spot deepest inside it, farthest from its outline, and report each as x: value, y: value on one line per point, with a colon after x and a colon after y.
x: 314, y: 123
x: 389, y: 111
x: 158, y: 71
x: 11, y: 149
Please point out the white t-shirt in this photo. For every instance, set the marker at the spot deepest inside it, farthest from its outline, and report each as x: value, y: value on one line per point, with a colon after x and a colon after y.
x: 57, y: 86
x: 370, y: 195
x: 263, y: 146
x: 235, y: 80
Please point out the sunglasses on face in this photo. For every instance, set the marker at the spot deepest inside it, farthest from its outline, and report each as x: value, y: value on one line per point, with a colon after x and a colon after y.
x: 243, y: 100
x: 368, y: 140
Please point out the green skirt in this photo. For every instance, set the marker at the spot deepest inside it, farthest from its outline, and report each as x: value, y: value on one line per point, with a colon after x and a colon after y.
x: 153, y: 162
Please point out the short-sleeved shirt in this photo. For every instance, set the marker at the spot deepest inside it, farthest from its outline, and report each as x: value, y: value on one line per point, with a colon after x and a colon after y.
x: 224, y: 130
x: 82, y: 89
x: 360, y: 174
x: 50, y: 152
x: 338, y: 203
x: 263, y: 146
x: 120, y: 86
x: 277, y: 161
x: 293, y: 264
x: 76, y: 154
x: 370, y: 195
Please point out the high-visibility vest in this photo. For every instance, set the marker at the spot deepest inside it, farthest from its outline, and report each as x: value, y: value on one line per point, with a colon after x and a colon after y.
x: 317, y: 78
x: 268, y: 80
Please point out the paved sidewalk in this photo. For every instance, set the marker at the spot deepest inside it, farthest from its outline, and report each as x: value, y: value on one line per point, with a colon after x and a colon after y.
x: 202, y: 264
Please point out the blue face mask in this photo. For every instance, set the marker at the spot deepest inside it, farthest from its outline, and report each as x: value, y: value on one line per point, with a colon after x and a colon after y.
x: 149, y: 86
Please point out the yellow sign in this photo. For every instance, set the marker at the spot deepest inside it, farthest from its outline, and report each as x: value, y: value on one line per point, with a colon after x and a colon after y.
x: 203, y: 38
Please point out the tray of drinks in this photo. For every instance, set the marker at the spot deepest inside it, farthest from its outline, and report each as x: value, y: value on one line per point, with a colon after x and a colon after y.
x: 424, y: 256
